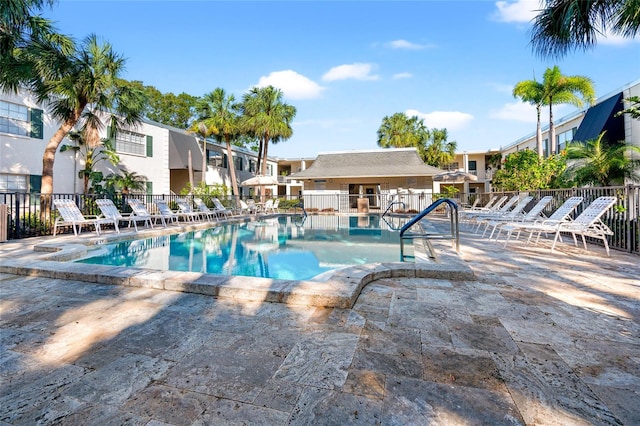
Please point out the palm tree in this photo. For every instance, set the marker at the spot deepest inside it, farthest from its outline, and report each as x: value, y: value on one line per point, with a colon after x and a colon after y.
x: 23, y: 37
x: 92, y: 155
x: 439, y: 150
x: 532, y: 91
x: 219, y: 113
x: 562, y: 89
x: 266, y: 116
x: 400, y: 130
x: 81, y: 91
x: 600, y: 164
x: 566, y: 25
x: 128, y: 181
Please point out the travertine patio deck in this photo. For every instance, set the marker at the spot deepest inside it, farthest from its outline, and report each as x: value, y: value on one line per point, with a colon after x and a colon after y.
x: 535, y: 338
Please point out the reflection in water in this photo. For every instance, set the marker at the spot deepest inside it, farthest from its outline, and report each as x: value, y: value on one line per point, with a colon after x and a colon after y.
x: 282, y: 248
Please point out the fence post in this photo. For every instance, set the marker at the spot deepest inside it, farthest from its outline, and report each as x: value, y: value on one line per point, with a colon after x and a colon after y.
x: 16, y: 218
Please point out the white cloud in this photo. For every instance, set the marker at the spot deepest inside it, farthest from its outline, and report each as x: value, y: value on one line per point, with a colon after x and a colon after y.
x: 615, y: 39
x: 516, y: 11
x: 450, y: 120
x: 518, y: 111
x: 406, y: 45
x: 402, y: 75
x: 294, y: 85
x: 357, y: 71
x: 526, y: 113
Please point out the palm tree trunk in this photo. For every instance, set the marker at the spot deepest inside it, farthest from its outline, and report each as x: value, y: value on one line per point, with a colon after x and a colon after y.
x: 259, y: 165
x: 204, y: 162
x: 232, y: 172
x: 264, y: 166
x: 552, y: 130
x: 48, y: 159
x: 539, y: 134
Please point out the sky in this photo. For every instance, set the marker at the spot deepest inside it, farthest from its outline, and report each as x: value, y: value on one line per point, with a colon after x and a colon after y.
x: 345, y: 65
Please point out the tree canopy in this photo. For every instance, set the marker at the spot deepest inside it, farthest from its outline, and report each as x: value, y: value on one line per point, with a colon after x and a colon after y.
x: 402, y: 131
x: 566, y: 25
x: 597, y: 163
x: 524, y: 170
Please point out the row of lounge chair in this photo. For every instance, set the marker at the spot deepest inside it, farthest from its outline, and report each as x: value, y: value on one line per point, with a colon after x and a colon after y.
x: 512, y: 219
x: 70, y: 214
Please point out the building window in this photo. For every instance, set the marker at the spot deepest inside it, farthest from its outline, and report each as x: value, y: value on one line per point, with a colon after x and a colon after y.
x: 451, y: 166
x: 131, y: 143
x: 215, y: 159
x: 565, y: 137
x: 13, y: 183
x: 14, y: 119
x: 252, y: 166
x: 237, y: 162
x: 473, y: 166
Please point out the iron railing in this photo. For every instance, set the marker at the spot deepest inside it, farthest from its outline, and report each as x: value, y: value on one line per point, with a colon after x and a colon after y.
x: 24, y: 220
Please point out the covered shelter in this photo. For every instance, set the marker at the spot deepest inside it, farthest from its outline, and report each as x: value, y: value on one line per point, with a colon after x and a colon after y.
x: 375, y: 175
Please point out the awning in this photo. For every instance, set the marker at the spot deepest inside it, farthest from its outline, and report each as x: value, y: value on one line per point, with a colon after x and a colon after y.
x: 180, y: 144
x: 602, y: 117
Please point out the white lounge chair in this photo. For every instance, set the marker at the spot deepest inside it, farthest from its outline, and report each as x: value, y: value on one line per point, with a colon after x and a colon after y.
x: 166, y: 212
x: 498, y: 211
x: 531, y: 216
x: 467, y: 215
x: 185, y: 211
x: 561, y: 214
x: 109, y: 210
x: 204, y: 210
x: 510, y: 215
x: 220, y: 209
x: 138, y: 209
x: 70, y: 215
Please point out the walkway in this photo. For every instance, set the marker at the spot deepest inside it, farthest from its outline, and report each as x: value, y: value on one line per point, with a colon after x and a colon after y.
x: 536, y: 338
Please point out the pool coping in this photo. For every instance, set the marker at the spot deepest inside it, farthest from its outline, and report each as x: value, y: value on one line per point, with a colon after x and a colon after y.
x: 340, y: 290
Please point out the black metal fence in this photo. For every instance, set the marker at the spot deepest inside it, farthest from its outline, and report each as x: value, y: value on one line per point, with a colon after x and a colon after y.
x: 20, y: 212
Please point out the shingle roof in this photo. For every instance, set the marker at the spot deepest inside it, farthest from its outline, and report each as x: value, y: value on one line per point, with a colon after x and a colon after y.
x: 378, y: 163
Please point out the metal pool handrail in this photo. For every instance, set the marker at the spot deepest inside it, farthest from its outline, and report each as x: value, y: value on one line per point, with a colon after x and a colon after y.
x: 454, y: 235
x: 391, y: 205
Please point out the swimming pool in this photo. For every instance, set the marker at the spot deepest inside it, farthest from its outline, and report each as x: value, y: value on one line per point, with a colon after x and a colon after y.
x: 285, y: 247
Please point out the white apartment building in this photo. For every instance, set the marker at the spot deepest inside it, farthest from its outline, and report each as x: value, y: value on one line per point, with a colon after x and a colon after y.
x: 164, y: 155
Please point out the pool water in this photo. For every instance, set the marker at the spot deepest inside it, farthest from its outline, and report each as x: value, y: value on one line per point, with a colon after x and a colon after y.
x: 286, y: 247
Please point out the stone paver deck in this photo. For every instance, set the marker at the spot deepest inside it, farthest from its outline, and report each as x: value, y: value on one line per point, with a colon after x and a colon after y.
x: 536, y: 338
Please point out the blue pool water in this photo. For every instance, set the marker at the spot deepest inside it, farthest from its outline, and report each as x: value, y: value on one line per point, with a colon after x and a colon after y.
x: 282, y: 248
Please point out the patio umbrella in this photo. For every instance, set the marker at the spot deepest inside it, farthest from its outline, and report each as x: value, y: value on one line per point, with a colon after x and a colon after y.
x: 454, y: 176
x: 260, y: 181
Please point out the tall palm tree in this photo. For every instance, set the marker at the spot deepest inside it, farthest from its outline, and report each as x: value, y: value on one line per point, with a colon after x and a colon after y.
x: 219, y: 113
x: 400, y: 130
x: 562, y: 89
x: 23, y: 37
x: 532, y: 91
x: 266, y: 116
x: 565, y: 25
x: 439, y: 150
x: 83, y: 89
x: 601, y: 164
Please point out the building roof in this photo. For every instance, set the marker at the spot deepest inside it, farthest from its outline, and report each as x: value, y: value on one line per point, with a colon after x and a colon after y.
x: 377, y: 163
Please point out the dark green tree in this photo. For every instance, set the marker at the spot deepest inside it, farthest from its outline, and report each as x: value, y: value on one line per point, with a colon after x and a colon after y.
x: 563, y: 89
x: 566, y: 25
x: 24, y: 37
x: 268, y: 118
x: 597, y: 163
x: 524, y: 170
x: 83, y: 89
x: 532, y: 91
x: 219, y: 113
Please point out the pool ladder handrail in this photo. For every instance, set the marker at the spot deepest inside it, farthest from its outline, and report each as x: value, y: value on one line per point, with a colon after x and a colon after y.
x: 454, y: 234
x: 404, y: 206
x: 304, y: 214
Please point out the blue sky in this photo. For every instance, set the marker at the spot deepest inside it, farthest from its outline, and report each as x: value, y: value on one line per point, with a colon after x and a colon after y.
x: 345, y: 65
